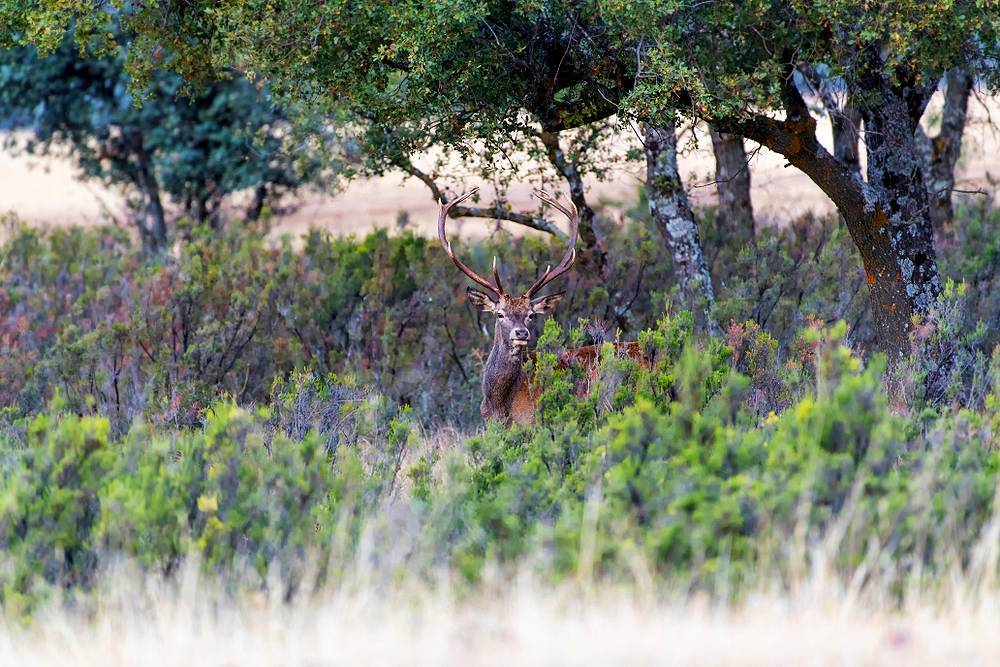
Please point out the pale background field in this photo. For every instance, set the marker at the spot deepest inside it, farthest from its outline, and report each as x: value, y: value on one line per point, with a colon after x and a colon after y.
x: 46, y: 191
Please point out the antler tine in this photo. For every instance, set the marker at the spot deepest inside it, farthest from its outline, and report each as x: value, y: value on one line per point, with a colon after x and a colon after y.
x: 572, y: 214
x: 567, y: 261
x: 496, y: 274
x: 442, y: 217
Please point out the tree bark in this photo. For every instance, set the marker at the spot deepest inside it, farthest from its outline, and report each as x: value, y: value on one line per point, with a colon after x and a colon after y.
x: 593, y: 257
x: 732, y: 182
x: 942, y: 152
x: 887, y: 217
x: 156, y: 234
x: 669, y: 206
x: 846, y: 128
x: 895, y: 172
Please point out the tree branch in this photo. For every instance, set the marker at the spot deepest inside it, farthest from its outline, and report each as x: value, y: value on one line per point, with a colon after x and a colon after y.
x: 495, y: 212
x: 796, y: 140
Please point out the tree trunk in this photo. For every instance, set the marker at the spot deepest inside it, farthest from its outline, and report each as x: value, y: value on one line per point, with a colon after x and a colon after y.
x: 887, y: 217
x: 895, y: 173
x: 846, y: 127
x: 257, y: 205
x: 941, y: 153
x: 732, y: 182
x: 156, y: 234
x: 593, y: 258
x: 668, y: 204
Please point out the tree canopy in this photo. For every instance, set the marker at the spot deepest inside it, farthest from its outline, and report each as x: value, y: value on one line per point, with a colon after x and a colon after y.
x: 186, y: 153
x: 480, y: 77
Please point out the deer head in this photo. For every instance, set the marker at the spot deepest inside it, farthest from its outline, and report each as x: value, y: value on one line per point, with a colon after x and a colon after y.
x: 516, y: 328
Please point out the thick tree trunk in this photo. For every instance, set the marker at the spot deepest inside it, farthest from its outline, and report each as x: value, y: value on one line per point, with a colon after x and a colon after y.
x: 887, y: 217
x: 668, y: 204
x: 732, y: 182
x: 593, y: 258
x: 941, y: 153
x: 895, y: 174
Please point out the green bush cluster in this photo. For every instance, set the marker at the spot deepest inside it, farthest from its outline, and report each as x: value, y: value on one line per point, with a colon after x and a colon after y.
x: 280, y: 413
x: 661, y: 469
x: 237, y: 493
x: 682, y: 475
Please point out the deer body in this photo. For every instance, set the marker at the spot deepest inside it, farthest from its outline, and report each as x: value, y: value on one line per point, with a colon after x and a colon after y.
x: 508, y: 393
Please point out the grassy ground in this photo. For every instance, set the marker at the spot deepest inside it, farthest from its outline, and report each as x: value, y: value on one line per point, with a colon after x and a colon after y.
x: 510, y: 623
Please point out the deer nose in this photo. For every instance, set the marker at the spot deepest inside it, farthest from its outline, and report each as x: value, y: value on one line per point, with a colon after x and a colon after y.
x: 519, y: 334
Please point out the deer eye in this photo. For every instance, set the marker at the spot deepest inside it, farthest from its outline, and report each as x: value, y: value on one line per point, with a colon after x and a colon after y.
x: 531, y: 316
x: 499, y: 315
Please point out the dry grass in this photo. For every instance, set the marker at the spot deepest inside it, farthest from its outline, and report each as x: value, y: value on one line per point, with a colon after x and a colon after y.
x: 509, y: 623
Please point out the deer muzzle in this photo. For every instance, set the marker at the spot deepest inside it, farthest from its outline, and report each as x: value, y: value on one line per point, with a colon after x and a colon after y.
x: 519, y: 337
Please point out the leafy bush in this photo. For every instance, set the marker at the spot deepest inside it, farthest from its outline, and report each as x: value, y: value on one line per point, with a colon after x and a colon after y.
x: 684, y: 478
x: 278, y: 412
x: 246, y: 499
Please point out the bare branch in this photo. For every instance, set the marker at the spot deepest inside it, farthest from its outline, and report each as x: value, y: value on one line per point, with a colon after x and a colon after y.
x: 495, y: 212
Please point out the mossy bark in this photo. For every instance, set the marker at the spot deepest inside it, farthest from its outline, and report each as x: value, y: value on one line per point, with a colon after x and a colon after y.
x: 669, y: 207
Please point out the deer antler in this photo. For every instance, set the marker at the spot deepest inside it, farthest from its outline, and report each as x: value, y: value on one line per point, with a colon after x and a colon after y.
x: 567, y: 261
x: 497, y: 289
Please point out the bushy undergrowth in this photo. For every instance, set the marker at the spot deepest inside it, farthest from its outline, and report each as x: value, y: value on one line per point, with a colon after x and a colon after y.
x: 659, y: 473
x: 128, y: 336
x: 276, y: 412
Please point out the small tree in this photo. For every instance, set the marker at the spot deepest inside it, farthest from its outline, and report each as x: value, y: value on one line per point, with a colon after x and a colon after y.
x: 172, y: 153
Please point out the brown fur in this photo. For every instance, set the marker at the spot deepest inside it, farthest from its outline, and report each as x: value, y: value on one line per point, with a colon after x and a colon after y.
x: 508, y: 393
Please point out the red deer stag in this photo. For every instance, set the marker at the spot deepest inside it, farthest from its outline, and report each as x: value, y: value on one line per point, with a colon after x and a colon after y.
x: 508, y: 394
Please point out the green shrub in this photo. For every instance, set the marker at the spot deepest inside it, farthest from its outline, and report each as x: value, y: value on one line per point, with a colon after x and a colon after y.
x: 275, y: 411
x: 691, y: 481
x: 247, y: 501
x: 50, y: 508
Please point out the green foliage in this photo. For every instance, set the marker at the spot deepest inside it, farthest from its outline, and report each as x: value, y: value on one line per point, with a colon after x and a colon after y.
x: 715, y: 58
x: 366, y: 83
x: 701, y: 492
x: 663, y: 466
x: 187, y: 154
x: 249, y: 503
x: 51, y: 506
x: 703, y: 463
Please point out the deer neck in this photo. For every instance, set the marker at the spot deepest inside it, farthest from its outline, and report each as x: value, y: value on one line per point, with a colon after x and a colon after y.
x: 505, y: 382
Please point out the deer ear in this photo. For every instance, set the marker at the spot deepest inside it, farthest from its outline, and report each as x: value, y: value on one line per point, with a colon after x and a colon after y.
x: 481, y: 300
x: 545, y: 304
